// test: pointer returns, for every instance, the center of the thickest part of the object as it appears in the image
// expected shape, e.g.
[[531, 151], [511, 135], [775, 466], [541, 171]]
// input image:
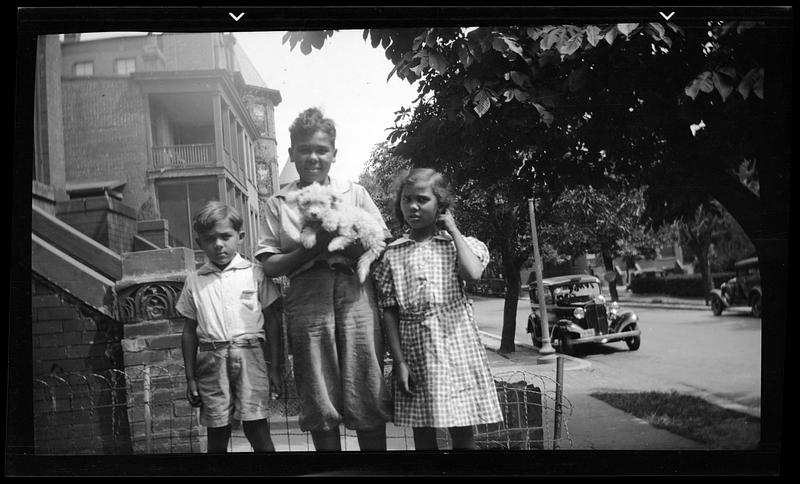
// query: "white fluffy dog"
[[323, 208]]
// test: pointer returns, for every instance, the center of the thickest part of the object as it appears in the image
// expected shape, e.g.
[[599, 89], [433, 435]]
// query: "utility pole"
[[547, 351]]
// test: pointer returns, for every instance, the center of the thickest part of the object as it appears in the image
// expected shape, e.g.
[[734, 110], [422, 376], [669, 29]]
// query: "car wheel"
[[755, 305], [716, 306], [565, 344], [633, 342]]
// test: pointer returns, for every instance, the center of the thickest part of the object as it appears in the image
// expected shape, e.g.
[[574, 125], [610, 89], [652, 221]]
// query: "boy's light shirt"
[[227, 303], [283, 222]]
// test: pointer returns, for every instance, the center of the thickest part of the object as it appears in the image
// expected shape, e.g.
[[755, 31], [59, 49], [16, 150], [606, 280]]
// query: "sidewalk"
[[592, 424], [589, 423]]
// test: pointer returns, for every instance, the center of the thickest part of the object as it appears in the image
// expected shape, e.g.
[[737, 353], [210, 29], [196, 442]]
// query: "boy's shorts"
[[233, 383]]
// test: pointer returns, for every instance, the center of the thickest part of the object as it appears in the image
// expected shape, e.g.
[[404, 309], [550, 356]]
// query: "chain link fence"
[[145, 411]]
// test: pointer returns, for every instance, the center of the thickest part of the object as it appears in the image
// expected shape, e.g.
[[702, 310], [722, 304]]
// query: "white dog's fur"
[[322, 208]]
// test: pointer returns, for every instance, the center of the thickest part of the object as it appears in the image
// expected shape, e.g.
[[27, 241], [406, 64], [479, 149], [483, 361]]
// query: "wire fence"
[[145, 411]]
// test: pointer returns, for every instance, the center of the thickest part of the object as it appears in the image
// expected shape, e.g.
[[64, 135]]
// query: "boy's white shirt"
[[227, 304]]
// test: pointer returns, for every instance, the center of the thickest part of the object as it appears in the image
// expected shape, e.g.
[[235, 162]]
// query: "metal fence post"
[[559, 391], [147, 416]]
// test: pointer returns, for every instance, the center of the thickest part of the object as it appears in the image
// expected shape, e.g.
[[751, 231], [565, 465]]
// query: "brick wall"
[[104, 219], [105, 134], [78, 402], [69, 338]]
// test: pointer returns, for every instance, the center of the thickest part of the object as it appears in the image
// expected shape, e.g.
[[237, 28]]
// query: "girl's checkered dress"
[[438, 335]]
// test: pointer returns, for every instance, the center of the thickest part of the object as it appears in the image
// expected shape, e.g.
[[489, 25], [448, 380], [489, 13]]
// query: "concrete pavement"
[[588, 423]]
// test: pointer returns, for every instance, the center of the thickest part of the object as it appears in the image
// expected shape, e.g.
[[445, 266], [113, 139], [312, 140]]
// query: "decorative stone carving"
[[149, 301]]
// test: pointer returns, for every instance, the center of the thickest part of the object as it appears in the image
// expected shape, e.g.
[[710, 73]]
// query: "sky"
[[346, 79]]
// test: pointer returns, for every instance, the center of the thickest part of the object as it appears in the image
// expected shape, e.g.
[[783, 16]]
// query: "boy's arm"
[[189, 347], [399, 366], [277, 265]]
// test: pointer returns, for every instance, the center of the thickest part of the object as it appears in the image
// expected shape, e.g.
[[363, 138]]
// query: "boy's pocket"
[[249, 300]]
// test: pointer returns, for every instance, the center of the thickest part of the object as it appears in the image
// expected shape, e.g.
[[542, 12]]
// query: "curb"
[[581, 364], [632, 304]]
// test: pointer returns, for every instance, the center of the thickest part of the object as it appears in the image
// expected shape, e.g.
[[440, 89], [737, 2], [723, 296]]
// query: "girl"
[[442, 377]]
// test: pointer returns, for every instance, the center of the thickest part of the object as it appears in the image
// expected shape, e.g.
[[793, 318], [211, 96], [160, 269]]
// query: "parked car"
[[743, 289], [578, 313], [487, 287]]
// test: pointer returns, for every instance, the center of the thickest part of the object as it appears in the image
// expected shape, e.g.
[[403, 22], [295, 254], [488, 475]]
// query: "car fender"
[[719, 295], [565, 325], [625, 320], [756, 290]]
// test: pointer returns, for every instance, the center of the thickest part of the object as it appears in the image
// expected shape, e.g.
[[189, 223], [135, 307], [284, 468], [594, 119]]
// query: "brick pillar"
[[155, 231], [106, 220], [160, 417]]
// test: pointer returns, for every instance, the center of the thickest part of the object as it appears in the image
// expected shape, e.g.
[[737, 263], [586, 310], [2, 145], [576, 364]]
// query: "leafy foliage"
[[507, 112]]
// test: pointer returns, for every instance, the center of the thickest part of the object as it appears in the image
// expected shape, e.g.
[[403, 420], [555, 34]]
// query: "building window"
[[123, 67], [178, 203], [83, 68]]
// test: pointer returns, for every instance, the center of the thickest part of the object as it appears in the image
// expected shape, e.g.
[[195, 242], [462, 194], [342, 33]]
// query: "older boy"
[[334, 325], [223, 302]]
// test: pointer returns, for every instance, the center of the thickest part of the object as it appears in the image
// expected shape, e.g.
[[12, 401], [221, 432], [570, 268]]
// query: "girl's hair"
[[309, 122], [213, 212], [439, 186]]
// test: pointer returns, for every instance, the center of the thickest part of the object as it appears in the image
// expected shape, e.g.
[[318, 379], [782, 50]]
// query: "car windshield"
[[573, 293]]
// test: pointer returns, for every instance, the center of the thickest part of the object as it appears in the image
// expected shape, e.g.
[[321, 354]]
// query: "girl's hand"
[[447, 220], [405, 378]]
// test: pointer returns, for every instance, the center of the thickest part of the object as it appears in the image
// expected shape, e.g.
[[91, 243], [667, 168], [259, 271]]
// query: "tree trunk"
[[510, 309], [608, 263], [705, 270]]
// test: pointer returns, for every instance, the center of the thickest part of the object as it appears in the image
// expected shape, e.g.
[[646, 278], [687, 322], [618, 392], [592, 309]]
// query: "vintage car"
[[578, 313], [742, 289]]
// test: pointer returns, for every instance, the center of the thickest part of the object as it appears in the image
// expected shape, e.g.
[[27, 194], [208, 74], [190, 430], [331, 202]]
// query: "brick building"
[[169, 121], [131, 136]]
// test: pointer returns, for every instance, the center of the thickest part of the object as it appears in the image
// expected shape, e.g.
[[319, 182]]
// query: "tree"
[[612, 101], [606, 222]]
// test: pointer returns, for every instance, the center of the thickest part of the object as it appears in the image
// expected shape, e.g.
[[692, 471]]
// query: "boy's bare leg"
[[425, 438], [326, 439], [463, 438], [373, 439], [257, 433], [218, 438]]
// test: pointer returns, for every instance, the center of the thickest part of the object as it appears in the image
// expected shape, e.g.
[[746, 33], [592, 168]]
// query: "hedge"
[[678, 285]]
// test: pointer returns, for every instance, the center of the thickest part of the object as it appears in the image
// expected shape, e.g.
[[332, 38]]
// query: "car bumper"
[[605, 338]]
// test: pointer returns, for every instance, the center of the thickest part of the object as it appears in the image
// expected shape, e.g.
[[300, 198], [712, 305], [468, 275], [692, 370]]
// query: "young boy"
[[223, 302]]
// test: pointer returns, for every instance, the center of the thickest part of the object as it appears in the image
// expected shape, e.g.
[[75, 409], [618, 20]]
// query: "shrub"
[[678, 285]]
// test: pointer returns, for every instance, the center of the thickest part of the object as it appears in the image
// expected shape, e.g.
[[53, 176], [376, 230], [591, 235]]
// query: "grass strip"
[[689, 416]]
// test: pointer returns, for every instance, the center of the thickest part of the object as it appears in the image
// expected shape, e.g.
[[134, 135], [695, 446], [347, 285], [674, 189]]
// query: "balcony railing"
[[184, 156]]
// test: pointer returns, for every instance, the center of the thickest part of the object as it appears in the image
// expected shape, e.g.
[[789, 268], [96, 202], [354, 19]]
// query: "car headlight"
[[578, 313], [601, 299]]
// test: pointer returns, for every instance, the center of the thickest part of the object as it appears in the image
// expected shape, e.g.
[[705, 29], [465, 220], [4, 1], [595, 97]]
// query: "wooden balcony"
[[184, 156]]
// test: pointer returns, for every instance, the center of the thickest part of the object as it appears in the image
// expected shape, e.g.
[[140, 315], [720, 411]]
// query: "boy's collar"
[[442, 235], [238, 262], [341, 186]]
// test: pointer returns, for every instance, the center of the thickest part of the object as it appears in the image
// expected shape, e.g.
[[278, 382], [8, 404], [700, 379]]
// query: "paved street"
[[691, 351]]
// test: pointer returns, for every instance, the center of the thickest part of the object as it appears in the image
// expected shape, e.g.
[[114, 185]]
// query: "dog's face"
[[315, 200]]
